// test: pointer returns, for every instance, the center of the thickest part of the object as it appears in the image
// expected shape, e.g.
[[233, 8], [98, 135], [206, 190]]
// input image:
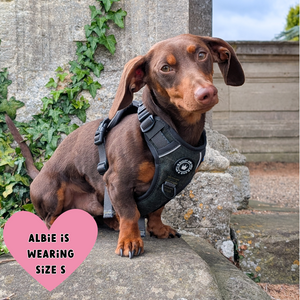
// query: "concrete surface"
[[169, 269]]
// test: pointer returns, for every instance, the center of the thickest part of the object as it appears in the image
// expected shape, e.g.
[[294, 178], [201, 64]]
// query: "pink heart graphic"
[[59, 250]]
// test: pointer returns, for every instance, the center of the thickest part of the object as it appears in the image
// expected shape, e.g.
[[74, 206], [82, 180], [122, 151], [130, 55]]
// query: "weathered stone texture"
[[204, 207], [270, 246], [237, 168]]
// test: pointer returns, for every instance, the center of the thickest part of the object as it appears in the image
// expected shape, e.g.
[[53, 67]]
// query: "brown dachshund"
[[178, 75]]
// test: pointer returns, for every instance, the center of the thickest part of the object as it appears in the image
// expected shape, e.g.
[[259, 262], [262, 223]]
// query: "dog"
[[178, 77]]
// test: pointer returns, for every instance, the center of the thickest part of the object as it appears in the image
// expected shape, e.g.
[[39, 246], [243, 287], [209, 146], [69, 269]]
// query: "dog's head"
[[179, 72]]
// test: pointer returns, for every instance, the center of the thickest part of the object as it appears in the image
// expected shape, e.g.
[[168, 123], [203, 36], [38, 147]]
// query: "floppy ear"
[[132, 80], [225, 56]]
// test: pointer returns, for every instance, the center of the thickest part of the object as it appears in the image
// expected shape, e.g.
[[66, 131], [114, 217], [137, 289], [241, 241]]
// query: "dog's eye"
[[201, 55], [166, 68]]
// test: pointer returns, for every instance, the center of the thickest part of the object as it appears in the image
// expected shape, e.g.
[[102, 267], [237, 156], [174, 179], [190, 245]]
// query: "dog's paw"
[[163, 231], [130, 246]]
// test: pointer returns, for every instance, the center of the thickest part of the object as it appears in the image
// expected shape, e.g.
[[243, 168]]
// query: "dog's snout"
[[206, 93]]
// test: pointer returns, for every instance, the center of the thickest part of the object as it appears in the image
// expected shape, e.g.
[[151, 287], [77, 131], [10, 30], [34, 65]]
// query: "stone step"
[[264, 206], [269, 245], [169, 269]]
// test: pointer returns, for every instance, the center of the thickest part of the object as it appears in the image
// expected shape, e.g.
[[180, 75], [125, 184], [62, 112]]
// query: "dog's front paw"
[[130, 246]]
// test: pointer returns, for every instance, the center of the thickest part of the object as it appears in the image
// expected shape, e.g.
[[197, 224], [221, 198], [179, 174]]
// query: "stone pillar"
[[200, 23]]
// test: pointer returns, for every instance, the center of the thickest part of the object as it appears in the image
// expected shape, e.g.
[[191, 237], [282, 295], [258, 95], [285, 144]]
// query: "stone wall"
[[261, 118]]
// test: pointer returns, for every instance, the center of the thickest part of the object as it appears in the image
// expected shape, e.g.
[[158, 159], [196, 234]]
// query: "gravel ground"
[[276, 183], [281, 291]]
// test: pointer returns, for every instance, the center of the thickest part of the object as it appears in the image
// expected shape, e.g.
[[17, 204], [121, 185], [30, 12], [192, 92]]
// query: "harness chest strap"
[[175, 161]]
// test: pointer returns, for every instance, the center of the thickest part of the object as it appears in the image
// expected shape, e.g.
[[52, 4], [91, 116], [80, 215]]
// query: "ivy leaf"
[[81, 73], [93, 88], [56, 94], [117, 17], [19, 162], [97, 68], [80, 48], [8, 189], [88, 30], [81, 114], [74, 64], [29, 207], [59, 69], [95, 11], [101, 21], [51, 83], [3, 88], [93, 41], [62, 76], [109, 42], [89, 53], [55, 114], [80, 57], [46, 102], [108, 3], [10, 107], [23, 179], [67, 129], [100, 31], [72, 92], [89, 80]]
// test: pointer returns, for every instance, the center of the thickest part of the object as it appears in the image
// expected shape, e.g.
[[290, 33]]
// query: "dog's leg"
[[130, 242], [156, 227]]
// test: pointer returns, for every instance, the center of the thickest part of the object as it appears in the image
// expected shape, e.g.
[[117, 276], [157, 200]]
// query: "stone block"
[[241, 186], [203, 208]]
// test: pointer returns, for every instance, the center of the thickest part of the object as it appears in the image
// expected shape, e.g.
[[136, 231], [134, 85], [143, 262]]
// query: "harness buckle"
[[101, 131], [147, 124], [102, 167], [169, 190]]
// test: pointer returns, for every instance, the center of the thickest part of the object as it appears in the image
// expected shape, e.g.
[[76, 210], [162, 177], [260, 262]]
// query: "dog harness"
[[175, 160]]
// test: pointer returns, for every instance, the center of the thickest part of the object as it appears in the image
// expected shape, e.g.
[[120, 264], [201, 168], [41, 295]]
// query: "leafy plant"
[[43, 132], [253, 276], [291, 32]]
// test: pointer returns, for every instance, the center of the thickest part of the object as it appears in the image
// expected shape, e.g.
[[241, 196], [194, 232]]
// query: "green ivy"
[[43, 132]]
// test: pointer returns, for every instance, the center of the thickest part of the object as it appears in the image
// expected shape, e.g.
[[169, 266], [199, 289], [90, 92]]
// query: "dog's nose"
[[206, 93]]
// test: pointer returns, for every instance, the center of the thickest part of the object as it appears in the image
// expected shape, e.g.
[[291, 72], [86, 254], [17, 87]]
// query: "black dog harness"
[[175, 160]]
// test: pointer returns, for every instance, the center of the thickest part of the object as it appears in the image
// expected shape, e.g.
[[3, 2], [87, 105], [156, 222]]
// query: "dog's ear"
[[132, 80], [225, 56]]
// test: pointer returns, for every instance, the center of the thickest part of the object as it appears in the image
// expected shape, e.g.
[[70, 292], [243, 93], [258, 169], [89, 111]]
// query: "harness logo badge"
[[184, 166]]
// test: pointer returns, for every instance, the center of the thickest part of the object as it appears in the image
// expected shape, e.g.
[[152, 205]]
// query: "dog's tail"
[[30, 167]]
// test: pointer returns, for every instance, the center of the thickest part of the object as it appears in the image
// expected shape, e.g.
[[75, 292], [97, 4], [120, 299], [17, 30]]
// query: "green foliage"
[[43, 132], [253, 276], [292, 18], [291, 32]]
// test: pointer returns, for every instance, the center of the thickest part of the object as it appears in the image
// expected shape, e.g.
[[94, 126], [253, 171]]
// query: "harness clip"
[[169, 190], [101, 131], [147, 124]]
